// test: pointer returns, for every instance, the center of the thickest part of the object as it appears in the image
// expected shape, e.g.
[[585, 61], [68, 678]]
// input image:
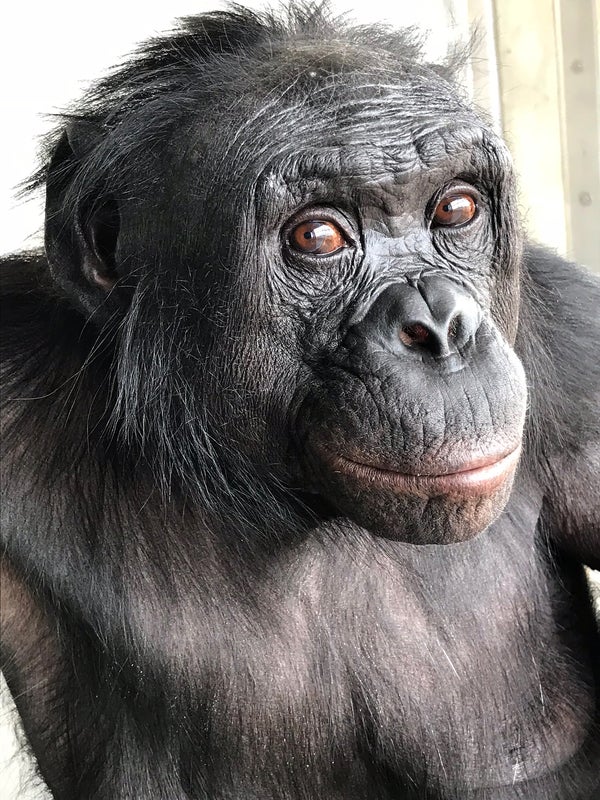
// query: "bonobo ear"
[[82, 221]]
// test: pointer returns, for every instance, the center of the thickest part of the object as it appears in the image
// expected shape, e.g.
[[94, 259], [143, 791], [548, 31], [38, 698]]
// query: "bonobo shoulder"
[[559, 343], [22, 277], [24, 284], [559, 340], [20, 273], [564, 282], [42, 337]]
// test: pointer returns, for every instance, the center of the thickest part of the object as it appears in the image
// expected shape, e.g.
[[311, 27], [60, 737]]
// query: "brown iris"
[[317, 237], [455, 208]]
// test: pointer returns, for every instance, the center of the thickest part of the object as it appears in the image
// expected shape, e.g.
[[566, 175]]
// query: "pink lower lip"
[[478, 477]]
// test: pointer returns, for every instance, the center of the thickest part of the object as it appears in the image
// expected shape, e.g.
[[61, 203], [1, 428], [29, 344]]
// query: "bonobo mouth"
[[480, 476]]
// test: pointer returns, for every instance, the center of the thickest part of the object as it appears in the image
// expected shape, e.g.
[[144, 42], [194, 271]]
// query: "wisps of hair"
[[170, 66]]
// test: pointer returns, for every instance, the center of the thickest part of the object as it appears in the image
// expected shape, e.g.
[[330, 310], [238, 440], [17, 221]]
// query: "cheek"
[[255, 400], [406, 416]]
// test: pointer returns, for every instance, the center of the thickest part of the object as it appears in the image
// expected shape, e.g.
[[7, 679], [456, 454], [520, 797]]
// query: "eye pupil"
[[317, 237]]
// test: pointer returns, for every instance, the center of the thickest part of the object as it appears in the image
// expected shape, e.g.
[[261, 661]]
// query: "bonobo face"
[[319, 282], [398, 260], [372, 298]]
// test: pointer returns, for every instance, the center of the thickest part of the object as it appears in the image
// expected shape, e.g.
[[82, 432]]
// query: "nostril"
[[414, 334]]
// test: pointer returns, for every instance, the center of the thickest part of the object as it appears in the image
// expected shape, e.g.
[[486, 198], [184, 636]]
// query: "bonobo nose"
[[433, 316]]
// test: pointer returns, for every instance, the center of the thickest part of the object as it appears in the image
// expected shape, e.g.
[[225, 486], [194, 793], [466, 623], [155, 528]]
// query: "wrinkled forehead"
[[311, 127], [356, 127]]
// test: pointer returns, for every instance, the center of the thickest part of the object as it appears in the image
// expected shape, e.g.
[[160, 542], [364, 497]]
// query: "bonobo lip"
[[479, 476]]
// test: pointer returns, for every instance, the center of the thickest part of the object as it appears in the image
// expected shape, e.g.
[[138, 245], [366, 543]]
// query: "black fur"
[[200, 598]]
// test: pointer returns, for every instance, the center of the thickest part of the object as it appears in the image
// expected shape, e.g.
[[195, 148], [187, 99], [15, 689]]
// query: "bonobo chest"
[[371, 669]]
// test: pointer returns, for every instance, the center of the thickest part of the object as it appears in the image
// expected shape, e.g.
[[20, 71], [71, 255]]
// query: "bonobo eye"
[[318, 237], [454, 209]]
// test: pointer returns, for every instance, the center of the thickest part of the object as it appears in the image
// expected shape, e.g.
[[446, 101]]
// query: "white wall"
[[549, 74]]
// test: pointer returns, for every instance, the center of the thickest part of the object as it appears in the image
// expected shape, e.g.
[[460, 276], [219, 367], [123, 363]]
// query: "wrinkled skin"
[[302, 447], [368, 396], [360, 392]]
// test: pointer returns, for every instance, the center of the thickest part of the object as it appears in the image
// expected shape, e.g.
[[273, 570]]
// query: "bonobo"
[[302, 443]]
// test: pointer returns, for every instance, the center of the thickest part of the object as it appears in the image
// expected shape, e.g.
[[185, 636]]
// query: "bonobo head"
[[304, 243]]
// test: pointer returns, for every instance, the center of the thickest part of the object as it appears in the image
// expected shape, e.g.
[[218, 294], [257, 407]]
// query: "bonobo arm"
[[559, 343]]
